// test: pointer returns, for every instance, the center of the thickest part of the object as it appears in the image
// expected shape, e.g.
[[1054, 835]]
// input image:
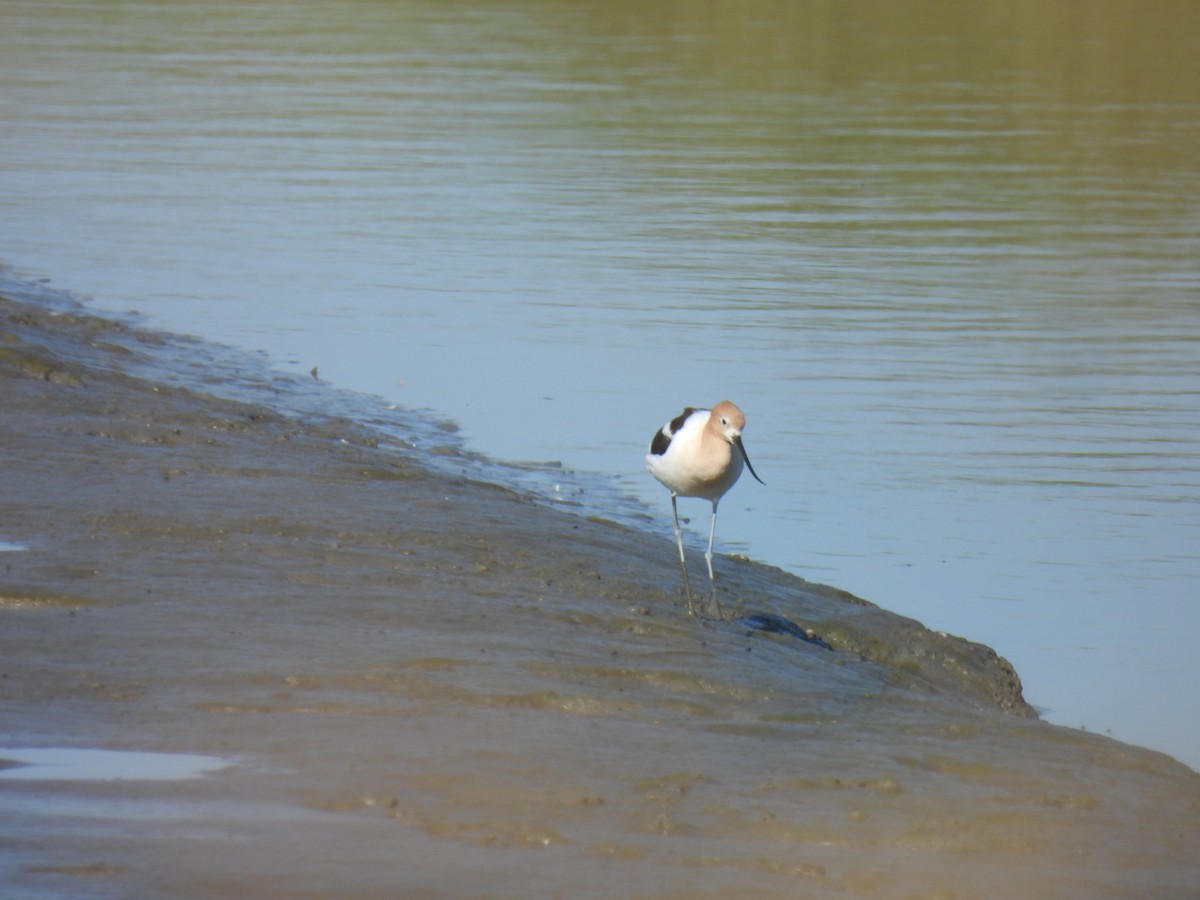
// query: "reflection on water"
[[943, 255], [88, 764]]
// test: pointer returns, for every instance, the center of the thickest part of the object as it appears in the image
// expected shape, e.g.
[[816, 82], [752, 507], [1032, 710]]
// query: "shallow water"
[[945, 259], [432, 686], [43, 764]]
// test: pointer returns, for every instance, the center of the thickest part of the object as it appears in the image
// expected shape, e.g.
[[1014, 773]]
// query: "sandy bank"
[[427, 686]]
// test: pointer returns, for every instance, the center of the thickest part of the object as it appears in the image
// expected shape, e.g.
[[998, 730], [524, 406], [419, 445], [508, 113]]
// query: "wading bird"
[[699, 453]]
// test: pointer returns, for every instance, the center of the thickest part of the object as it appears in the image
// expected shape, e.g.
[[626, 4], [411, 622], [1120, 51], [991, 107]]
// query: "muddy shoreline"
[[431, 686]]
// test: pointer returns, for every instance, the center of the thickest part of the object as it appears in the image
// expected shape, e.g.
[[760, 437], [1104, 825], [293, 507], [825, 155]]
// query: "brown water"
[[945, 255]]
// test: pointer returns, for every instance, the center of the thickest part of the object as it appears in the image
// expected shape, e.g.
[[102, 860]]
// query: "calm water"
[[945, 256]]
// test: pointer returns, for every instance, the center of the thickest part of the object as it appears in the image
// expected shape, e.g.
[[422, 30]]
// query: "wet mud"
[[426, 685]]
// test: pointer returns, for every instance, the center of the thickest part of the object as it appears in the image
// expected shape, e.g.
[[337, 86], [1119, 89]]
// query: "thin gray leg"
[[712, 582], [687, 587], [711, 531]]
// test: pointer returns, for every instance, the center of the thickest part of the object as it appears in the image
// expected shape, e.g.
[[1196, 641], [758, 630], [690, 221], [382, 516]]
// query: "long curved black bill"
[[738, 441]]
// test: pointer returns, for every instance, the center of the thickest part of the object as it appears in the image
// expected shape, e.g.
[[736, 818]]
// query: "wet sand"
[[430, 686]]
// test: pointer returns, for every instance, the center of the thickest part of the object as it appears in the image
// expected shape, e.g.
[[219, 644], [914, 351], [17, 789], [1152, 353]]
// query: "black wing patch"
[[677, 422], [661, 442], [662, 437]]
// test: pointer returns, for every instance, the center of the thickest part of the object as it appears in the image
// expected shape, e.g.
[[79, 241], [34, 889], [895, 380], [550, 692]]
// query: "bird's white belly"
[[709, 477]]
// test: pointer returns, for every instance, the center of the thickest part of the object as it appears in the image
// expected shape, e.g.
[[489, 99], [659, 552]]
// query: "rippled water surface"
[[946, 257]]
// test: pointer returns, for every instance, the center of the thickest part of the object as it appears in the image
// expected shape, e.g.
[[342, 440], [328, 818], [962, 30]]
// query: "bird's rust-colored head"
[[729, 421]]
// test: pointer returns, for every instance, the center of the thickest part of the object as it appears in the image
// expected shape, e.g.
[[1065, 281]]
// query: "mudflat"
[[410, 684]]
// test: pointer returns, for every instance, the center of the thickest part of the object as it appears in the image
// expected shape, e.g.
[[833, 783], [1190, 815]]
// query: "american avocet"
[[693, 456]]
